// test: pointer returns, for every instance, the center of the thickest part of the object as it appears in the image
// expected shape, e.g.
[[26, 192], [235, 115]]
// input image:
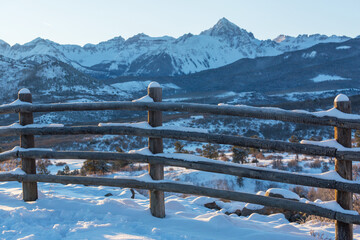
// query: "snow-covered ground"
[[78, 212]]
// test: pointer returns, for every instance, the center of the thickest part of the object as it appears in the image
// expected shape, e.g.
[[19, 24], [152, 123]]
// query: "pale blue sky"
[[92, 21]]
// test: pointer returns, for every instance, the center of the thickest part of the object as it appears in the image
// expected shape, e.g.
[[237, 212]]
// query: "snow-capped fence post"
[[156, 171], [28, 165], [343, 231]]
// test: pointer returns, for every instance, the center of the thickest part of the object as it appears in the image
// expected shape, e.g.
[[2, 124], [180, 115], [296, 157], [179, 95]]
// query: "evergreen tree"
[[325, 167], [210, 151], [89, 166], [42, 168], [239, 154], [179, 148], [66, 170], [294, 139], [96, 166]]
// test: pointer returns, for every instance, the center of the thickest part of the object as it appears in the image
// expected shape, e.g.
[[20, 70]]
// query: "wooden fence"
[[344, 188]]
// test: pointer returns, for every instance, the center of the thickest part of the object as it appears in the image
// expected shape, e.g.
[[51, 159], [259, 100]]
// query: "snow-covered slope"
[[220, 45], [76, 212]]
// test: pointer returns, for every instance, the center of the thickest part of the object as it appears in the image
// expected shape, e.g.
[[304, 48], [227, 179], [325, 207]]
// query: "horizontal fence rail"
[[308, 149], [189, 189], [240, 111], [208, 166]]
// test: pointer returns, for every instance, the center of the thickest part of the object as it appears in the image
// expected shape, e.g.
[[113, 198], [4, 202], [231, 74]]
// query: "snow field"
[[77, 212]]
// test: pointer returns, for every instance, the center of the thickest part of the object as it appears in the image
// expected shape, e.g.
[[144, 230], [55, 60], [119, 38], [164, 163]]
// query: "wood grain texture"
[[190, 136], [248, 112], [343, 230], [28, 165], [156, 171]]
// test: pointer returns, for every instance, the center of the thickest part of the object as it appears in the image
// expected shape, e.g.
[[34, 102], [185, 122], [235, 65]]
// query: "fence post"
[[343, 231], [156, 171], [28, 165]]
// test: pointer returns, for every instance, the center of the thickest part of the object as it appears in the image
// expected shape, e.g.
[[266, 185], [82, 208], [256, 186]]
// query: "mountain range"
[[224, 62], [142, 55]]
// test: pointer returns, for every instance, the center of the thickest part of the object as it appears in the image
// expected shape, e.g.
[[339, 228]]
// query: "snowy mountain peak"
[[141, 54], [280, 38], [38, 41], [225, 28]]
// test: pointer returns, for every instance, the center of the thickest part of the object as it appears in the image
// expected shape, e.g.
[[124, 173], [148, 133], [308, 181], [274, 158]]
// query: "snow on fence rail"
[[310, 149], [339, 117], [327, 118]]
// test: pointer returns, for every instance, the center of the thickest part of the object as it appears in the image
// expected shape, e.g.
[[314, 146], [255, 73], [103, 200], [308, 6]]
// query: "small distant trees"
[[42, 166], [95, 167], [294, 139], [210, 151], [315, 164], [325, 167], [278, 164], [66, 171], [179, 147], [239, 154]]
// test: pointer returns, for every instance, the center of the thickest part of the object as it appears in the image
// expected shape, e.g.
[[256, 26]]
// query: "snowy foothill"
[[344, 47], [311, 54], [326, 77]]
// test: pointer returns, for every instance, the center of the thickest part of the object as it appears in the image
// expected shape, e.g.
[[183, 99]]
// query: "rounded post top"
[[341, 98], [154, 85], [24, 91]]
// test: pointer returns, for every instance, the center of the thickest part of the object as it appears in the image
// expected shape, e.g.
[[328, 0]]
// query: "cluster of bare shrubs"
[[314, 164], [278, 164], [9, 165], [294, 166]]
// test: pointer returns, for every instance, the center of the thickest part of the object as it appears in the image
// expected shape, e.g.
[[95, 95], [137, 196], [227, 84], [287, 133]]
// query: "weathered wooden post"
[[28, 165], [343, 231], [156, 171]]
